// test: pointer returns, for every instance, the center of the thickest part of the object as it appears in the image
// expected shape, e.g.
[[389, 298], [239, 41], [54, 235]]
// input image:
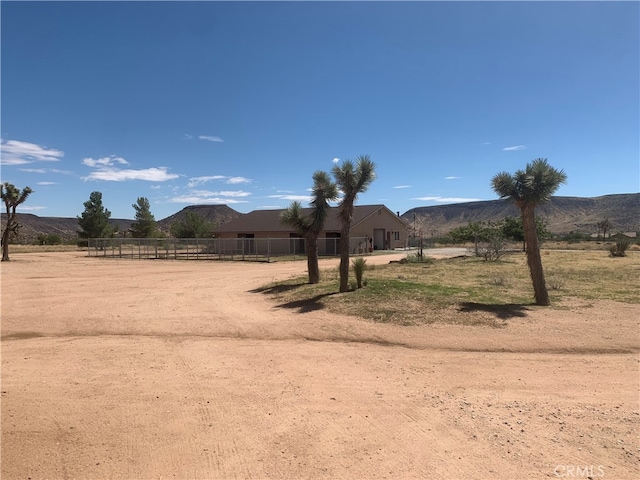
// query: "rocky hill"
[[563, 214], [217, 214]]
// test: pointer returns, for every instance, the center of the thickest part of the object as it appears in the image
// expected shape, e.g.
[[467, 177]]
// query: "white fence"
[[253, 249]]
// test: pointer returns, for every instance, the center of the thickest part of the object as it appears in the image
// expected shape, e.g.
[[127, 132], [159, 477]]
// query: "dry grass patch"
[[466, 291]]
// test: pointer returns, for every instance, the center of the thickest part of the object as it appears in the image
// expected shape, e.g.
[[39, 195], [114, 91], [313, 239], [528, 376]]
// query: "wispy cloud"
[[31, 208], [402, 186], [195, 181], [336, 160], [158, 174], [210, 138], [452, 178], [224, 193], [268, 207], [236, 180], [104, 161], [47, 183], [196, 200], [15, 152], [439, 199], [514, 148], [293, 198]]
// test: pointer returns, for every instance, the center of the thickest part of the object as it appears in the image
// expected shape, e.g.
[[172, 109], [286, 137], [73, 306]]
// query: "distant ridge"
[[563, 214], [33, 225]]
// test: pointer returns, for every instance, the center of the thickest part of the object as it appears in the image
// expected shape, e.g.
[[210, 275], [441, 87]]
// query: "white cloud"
[[439, 199], [15, 152], [293, 198], [335, 160], [224, 193], [236, 180], [514, 148], [31, 208], [195, 181], [402, 186], [198, 180], [159, 174], [268, 207], [195, 199], [210, 138], [47, 183], [155, 187], [451, 178], [45, 170], [104, 161], [188, 137]]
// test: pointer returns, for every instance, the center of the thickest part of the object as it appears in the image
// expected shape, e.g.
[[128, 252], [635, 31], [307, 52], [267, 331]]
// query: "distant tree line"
[[94, 222]]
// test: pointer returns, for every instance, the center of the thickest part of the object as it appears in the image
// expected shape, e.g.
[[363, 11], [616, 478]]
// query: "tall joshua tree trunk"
[[312, 257], [534, 259], [344, 253]]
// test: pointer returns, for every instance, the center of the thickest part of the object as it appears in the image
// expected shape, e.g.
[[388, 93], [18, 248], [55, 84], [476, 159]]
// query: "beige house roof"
[[269, 220]]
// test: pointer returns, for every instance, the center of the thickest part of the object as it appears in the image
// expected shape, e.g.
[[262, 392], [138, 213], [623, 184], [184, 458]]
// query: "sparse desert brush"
[[619, 249], [409, 293]]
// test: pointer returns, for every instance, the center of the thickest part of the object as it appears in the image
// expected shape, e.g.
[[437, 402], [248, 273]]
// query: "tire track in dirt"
[[296, 395]]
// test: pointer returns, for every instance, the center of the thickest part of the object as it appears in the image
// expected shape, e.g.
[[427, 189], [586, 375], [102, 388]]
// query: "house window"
[[396, 235]]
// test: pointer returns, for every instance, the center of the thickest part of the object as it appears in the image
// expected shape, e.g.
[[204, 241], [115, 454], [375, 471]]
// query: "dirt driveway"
[[172, 369]]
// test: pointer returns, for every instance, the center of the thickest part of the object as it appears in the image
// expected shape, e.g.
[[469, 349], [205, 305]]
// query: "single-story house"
[[373, 227]]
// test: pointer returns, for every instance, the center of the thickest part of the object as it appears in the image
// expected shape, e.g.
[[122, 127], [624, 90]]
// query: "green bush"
[[48, 239]]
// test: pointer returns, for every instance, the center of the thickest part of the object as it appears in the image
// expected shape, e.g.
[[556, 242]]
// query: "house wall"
[[395, 236], [280, 243], [384, 220]]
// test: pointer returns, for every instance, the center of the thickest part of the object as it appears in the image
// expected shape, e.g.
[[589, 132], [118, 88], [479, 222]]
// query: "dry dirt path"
[[172, 369]]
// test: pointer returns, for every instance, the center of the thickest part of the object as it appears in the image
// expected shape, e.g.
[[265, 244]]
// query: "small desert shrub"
[[493, 249], [555, 283], [499, 281], [359, 266], [620, 248], [416, 258]]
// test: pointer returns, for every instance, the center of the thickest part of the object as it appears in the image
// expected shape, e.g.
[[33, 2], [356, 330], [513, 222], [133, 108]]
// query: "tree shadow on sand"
[[307, 304], [501, 311], [276, 289]]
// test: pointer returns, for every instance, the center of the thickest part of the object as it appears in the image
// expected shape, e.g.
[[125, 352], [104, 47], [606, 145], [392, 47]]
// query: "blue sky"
[[239, 103]]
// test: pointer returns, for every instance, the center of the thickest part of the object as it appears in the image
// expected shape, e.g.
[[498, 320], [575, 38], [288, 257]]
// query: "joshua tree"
[[528, 188], [351, 179], [605, 226], [324, 191], [12, 197]]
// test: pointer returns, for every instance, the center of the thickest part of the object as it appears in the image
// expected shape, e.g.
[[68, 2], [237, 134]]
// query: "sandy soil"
[[172, 369]]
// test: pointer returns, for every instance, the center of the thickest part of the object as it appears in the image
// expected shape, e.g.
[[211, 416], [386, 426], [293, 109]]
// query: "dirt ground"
[[150, 369]]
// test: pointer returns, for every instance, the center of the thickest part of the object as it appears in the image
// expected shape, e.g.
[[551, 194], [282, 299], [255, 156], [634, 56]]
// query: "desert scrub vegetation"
[[446, 291]]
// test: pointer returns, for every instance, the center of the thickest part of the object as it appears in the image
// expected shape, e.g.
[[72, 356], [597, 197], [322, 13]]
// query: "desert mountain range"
[[563, 215]]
